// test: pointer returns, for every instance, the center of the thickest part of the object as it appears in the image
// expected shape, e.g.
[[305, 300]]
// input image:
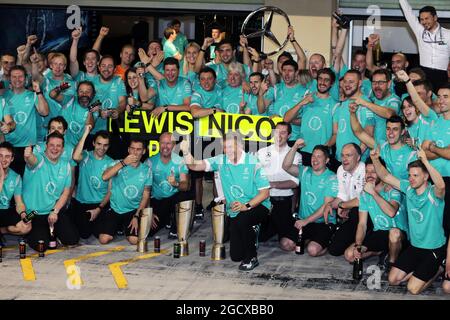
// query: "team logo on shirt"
[[315, 123], [20, 117], [418, 216], [165, 186], [310, 198], [233, 108], [131, 192], [4, 200], [236, 191], [382, 221], [50, 188], [107, 103], [284, 109], [74, 127], [95, 182]]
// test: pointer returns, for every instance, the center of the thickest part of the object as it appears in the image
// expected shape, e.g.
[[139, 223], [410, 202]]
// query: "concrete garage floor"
[[280, 275]]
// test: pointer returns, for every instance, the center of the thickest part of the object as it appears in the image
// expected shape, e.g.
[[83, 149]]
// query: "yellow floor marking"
[[27, 264], [117, 273], [73, 272]]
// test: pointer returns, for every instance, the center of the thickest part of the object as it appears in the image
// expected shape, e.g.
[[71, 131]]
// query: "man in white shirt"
[[280, 220], [351, 178], [433, 42]]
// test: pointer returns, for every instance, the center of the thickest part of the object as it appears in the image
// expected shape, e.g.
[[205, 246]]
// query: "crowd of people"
[[360, 163]]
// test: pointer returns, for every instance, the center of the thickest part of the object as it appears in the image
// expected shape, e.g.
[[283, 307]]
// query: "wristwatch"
[[248, 206], [340, 205]]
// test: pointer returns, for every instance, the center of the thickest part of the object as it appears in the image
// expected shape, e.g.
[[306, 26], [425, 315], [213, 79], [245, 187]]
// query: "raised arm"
[[416, 99], [42, 106], [98, 42], [413, 22], [381, 171], [195, 165], [301, 57], [435, 176], [337, 63], [73, 56], [201, 55], [358, 130], [77, 154], [292, 114], [288, 162], [373, 41], [389, 208]]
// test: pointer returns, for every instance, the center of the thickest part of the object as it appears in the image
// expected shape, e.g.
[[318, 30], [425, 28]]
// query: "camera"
[[343, 21]]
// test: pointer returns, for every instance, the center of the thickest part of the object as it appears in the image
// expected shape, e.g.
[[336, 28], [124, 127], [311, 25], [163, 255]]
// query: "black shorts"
[[8, 217], [423, 262], [110, 221], [317, 232], [376, 241]]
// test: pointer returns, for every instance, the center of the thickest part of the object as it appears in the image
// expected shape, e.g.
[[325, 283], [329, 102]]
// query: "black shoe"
[[250, 265], [211, 205], [199, 212], [172, 235]]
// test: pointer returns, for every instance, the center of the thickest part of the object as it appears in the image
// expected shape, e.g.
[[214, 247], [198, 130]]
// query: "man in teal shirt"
[[319, 187], [25, 107], [341, 118], [131, 181], [11, 186], [169, 48], [382, 205], [92, 195], [173, 93], [383, 103], [180, 41], [317, 115], [246, 190], [285, 95], [77, 113], [437, 146], [46, 189], [394, 151], [419, 264], [170, 183]]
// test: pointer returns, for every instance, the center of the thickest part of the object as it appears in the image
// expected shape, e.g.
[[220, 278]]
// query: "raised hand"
[[369, 187], [373, 39], [143, 56], [207, 42], [28, 152], [76, 33], [402, 75], [375, 153], [104, 31], [32, 39], [291, 34], [299, 143]]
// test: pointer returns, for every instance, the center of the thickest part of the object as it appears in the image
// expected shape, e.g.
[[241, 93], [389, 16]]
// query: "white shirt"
[[351, 185], [271, 160], [434, 47]]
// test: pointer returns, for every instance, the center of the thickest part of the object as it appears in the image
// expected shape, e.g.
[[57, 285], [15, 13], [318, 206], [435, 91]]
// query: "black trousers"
[[436, 77], [346, 232], [242, 234], [81, 218], [18, 165], [280, 219], [65, 231], [165, 210], [447, 207]]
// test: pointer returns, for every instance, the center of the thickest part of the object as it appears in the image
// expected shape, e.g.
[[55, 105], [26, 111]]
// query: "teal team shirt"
[[419, 130], [91, 188], [315, 188], [169, 50], [232, 98], [12, 186], [222, 73], [76, 117], [440, 134], [252, 104], [391, 102], [284, 98], [22, 108], [425, 216], [161, 188], [44, 184], [397, 160], [240, 182], [109, 95], [345, 133], [381, 221], [128, 186], [317, 122], [54, 107], [83, 76], [207, 99], [179, 43], [167, 95]]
